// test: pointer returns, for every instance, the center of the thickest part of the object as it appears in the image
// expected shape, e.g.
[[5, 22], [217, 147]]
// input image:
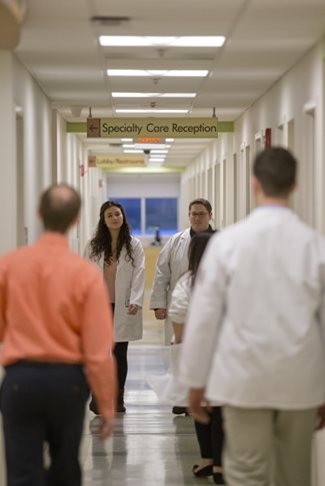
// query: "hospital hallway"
[[151, 446]]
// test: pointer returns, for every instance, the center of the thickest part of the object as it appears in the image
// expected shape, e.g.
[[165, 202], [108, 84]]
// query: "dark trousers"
[[120, 353], [210, 437], [43, 402]]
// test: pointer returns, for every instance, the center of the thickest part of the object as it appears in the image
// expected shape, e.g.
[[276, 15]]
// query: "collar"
[[209, 230], [53, 238]]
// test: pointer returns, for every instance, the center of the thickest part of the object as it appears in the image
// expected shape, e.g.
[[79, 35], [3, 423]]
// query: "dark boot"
[[93, 406], [120, 407]]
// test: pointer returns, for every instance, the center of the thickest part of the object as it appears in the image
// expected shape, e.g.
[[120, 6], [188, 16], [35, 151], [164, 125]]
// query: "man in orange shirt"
[[55, 322]]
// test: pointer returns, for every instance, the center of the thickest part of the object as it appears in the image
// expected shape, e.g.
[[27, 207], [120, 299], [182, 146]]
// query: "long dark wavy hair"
[[195, 252], [101, 243]]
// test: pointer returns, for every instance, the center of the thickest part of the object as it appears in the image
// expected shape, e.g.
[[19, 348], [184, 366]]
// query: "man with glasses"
[[173, 263]]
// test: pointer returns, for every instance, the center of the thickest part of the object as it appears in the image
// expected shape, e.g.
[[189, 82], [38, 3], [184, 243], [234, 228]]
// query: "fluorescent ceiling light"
[[156, 160], [126, 139], [151, 146], [161, 73], [151, 110], [159, 152], [169, 140], [133, 151], [117, 94], [200, 41], [146, 146], [167, 41]]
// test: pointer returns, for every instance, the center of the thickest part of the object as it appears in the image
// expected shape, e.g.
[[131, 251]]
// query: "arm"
[[205, 317], [97, 343], [178, 329], [2, 301], [179, 305], [138, 278]]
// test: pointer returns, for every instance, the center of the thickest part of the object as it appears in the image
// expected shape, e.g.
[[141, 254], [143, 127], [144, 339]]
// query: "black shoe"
[[179, 410], [120, 408], [202, 472], [218, 478], [93, 407]]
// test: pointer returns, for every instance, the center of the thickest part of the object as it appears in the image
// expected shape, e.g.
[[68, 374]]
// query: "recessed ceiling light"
[[151, 110], [195, 73], [167, 41], [117, 94]]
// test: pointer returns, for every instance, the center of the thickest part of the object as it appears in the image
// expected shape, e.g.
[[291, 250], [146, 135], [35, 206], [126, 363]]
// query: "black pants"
[[210, 437], [43, 402], [120, 353]]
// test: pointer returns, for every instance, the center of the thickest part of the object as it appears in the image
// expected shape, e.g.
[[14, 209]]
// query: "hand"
[[160, 314], [321, 417], [198, 405], [133, 309], [106, 428]]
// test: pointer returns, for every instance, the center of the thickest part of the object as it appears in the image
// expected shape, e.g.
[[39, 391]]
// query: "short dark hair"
[[59, 206], [202, 201], [196, 249], [275, 168]]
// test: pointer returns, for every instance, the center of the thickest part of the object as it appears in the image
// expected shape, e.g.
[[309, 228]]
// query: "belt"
[[42, 364]]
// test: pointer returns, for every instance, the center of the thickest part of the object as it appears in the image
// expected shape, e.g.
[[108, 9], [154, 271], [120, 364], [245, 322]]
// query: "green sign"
[[152, 127]]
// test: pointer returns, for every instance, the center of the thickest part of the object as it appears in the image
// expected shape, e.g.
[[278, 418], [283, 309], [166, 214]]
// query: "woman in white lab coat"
[[120, 257]]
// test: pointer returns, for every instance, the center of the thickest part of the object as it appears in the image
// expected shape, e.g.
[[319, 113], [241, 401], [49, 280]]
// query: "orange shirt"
[[53, 307]]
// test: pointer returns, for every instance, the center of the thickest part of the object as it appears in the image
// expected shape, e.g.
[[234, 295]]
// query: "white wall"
[[296, 100], [37, 134], [8, 186], [298, 95]]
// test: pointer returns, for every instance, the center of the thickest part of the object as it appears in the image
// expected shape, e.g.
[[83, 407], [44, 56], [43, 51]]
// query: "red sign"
[[82, 170], [267, 137], [149, 140]]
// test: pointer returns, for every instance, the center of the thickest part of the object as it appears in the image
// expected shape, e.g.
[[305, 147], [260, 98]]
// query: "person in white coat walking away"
[[255, 336], [120, 257]]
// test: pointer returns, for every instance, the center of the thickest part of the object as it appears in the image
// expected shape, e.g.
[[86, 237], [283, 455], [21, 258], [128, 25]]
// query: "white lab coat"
[[180, 299], [255, 330], [167, 387], [171, 265], [129, 289]]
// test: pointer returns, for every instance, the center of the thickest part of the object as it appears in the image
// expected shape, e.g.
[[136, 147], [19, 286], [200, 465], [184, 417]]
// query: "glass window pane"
[[161, 212], [132, 208]]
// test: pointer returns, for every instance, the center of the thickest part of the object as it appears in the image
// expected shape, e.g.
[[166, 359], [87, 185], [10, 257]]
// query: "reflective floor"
[[151, 446]]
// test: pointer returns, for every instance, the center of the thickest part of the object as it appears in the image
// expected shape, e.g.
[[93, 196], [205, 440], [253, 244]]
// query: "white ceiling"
[[59, 46]]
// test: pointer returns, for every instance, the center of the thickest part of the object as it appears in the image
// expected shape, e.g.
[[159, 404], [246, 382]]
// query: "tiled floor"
[[150, 445]]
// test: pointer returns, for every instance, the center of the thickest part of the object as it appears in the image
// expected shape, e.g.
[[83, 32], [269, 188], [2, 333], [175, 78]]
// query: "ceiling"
[[59, 46]]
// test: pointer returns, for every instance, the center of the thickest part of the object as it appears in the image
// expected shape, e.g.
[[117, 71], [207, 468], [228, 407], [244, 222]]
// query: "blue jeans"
[[43, 402]]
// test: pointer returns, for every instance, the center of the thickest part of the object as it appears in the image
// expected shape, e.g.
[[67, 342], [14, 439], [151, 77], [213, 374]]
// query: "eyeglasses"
[[199, 215]]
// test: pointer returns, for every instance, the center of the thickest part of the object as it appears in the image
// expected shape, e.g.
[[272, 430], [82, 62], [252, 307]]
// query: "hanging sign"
[[152, 127], [108, 161]]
